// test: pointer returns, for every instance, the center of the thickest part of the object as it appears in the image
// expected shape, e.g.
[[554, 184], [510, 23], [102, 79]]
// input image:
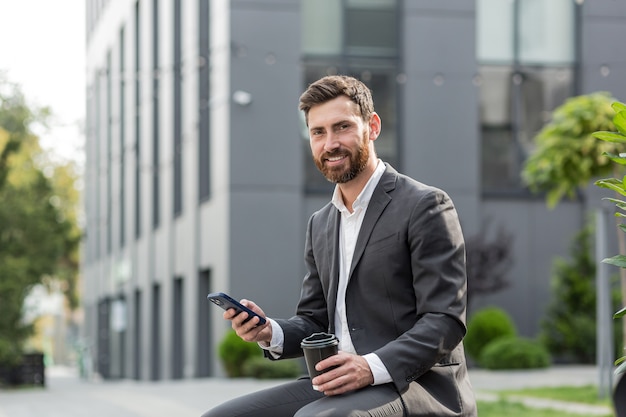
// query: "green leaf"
[[609, 137], [615, 200], [618, 106], [618, 159], [620, 122], [620, 313], [617, 260], [619, 203], [612, 184], [623, 227]]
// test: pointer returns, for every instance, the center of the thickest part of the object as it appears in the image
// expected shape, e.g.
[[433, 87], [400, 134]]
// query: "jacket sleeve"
[[437, 252]]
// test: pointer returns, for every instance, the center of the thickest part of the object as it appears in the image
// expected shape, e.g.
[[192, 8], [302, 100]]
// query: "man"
[[385, 264]]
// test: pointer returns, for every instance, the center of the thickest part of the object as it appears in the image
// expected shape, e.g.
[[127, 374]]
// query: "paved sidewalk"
[[66, 395], [577, 375], [486, 383]]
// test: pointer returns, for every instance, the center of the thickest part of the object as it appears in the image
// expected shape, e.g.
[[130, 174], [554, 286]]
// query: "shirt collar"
[[364, 197]]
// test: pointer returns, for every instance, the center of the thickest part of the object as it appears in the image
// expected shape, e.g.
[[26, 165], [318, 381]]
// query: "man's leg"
[[378, 400], [279, 401]]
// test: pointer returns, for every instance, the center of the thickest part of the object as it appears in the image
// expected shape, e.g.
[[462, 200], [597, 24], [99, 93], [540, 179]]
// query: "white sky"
[[42, 48]]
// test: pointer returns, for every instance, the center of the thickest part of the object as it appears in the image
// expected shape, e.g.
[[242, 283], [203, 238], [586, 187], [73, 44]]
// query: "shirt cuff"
[[275, 347], [379, 370]]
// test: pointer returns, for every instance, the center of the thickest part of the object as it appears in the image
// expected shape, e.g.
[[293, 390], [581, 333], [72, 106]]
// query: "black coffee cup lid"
[[319, 340]]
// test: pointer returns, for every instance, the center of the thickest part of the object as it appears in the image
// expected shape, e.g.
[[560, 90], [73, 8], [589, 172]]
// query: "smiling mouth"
[[335, 158]]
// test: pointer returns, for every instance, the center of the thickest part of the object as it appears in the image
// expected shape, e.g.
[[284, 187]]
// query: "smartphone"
[[225, 301]]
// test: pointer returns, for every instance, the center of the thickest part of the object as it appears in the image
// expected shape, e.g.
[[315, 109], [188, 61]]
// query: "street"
[[66, 395]]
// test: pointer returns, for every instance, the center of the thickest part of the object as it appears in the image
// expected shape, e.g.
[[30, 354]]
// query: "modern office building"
[[199, 177]]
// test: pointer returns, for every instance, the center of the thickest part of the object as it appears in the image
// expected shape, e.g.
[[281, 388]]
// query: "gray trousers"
[[298, 399]]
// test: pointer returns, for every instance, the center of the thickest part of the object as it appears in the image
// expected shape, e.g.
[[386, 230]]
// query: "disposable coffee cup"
[[317, 347]]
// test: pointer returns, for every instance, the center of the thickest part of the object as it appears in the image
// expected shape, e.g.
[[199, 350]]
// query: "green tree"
[[39, 235], [568, 156], [569, 325]]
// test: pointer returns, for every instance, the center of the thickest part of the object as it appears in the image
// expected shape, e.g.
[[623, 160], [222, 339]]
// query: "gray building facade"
[[198, 175]]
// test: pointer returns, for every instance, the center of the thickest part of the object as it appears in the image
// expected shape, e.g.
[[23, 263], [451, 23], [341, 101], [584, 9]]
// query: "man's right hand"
[[250, 331]]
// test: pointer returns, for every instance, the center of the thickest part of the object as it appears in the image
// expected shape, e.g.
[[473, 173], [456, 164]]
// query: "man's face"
[[339, 139]]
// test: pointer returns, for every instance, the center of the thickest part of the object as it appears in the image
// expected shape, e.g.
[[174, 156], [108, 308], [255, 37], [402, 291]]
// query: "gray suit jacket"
[[406, 295]]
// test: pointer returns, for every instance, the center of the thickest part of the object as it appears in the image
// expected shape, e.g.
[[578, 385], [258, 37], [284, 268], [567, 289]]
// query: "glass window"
[[354, 27], [514, 106], [544, 35], [494, 35], [359, 38], [527, 51], [204, 94], [371, 27], [384, 92], [321, 27]]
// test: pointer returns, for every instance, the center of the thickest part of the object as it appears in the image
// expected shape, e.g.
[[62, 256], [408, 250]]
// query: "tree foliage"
[[567, 156], [39, 235]]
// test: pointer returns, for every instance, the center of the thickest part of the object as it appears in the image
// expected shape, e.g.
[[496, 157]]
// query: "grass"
[[586, 394], [509, 407]]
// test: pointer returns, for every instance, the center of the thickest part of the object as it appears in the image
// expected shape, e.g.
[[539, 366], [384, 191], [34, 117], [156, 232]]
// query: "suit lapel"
[[378, 202], [332, 236]]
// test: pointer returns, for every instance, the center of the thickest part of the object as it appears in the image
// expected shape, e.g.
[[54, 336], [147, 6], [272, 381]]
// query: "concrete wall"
[[266, 230]]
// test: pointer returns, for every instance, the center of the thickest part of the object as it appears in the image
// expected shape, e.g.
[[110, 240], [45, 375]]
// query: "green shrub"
[[569, 326], [485, 326], [513, 352], [263, 368], [10, 353], [234, 352]]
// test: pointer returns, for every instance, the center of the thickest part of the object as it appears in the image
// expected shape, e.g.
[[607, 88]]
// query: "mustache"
[[336, 152]]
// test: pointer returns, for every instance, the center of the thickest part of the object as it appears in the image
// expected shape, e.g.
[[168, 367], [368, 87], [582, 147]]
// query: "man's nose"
[[331, 143]]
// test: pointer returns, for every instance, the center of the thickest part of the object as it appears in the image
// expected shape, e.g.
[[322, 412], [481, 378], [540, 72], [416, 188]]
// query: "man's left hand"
[[352, 373]]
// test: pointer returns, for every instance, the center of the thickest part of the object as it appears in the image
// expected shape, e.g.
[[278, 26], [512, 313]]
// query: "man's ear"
[[375, 126]]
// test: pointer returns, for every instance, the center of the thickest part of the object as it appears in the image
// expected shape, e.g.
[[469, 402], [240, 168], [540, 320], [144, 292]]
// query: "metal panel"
[[440, 43], [265, 65]]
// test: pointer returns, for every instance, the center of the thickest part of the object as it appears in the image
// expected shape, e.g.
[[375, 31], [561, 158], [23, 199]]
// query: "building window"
[[137, 110], [525, 49], [514, 106], [155, 340], [109, 153], [122, 138], [359, 38], [137, 328], [204, 171], [530, 32], [178, 326], [156, 142], [178, 125]]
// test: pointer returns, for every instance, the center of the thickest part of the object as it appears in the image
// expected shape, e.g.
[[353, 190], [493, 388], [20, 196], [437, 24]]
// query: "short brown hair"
[[333, 86]]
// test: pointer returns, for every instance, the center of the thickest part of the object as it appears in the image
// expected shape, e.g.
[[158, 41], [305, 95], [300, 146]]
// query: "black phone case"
[[225, 301]]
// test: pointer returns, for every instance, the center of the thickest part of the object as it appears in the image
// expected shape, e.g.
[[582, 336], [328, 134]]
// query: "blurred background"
[[169, 160]]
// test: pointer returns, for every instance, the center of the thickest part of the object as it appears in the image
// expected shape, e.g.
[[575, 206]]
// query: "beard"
[[356, 164]]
